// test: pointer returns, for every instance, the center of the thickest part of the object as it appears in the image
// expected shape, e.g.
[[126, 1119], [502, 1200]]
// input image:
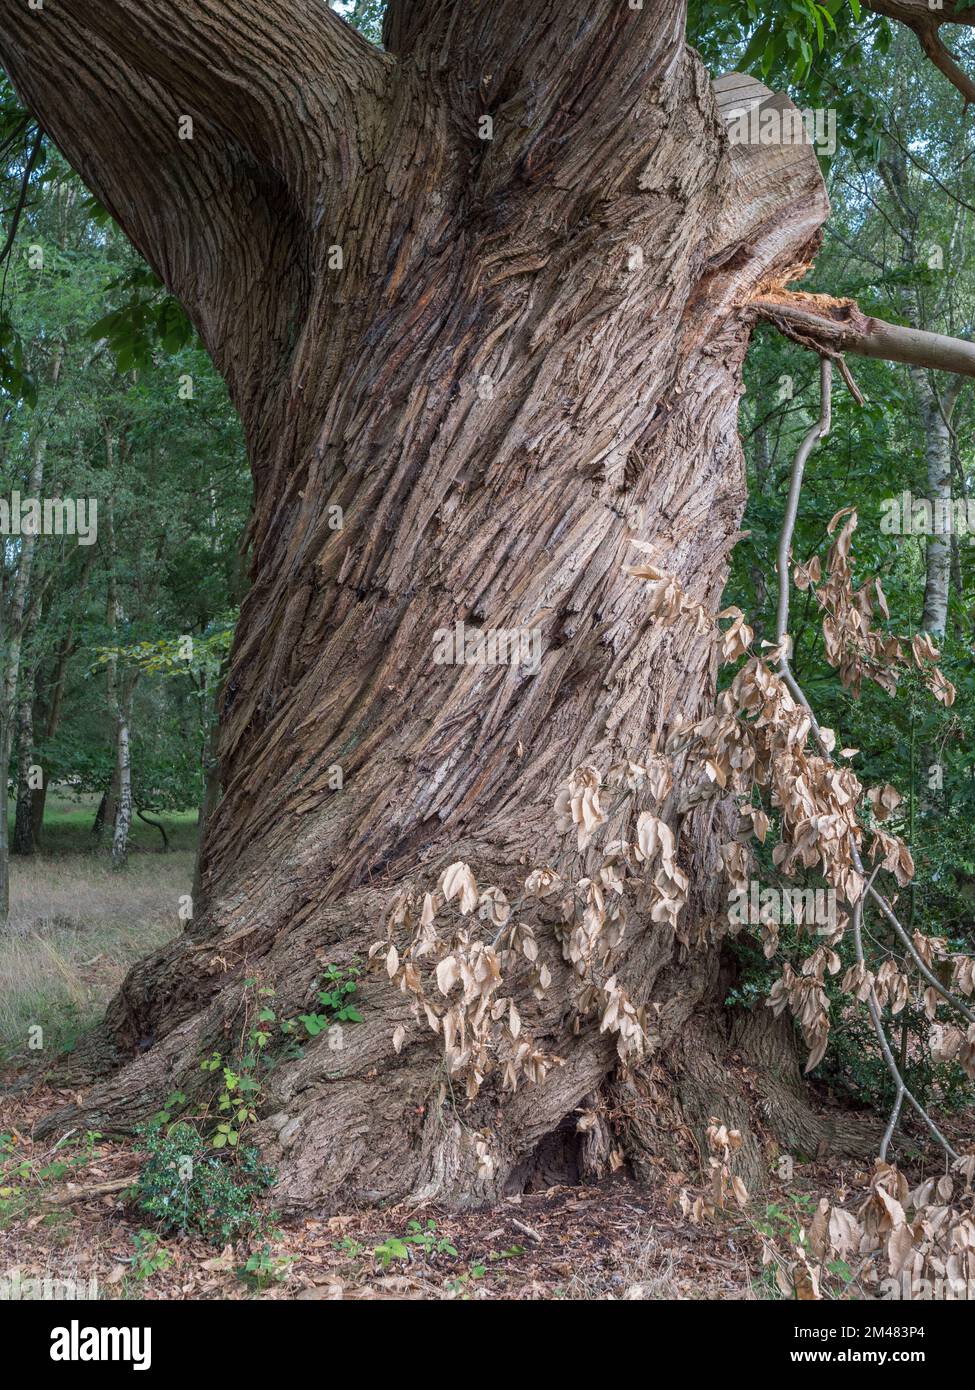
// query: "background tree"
[[136, 421]]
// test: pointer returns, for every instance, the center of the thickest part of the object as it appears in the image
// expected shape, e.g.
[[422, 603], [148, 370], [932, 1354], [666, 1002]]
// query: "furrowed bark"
[[525, 356]]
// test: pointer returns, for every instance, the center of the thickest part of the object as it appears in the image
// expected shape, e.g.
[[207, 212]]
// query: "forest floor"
[[66, 1213], [67, 1209]]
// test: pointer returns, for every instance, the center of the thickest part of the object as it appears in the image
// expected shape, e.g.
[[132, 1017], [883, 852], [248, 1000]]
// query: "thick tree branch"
[[275, 79], [222, 210], [834, 326], [926, 23], [553, 78]]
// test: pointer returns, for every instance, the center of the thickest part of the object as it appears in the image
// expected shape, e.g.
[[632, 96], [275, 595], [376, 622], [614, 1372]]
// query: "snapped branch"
[[834, 326]]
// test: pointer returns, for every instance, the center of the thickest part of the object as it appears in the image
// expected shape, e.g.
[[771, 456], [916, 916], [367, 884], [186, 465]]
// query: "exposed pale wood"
[[837, 325]]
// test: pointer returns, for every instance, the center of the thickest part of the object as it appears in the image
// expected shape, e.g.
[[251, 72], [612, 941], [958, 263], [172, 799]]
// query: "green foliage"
[[189, 1189], [16, 380], [150, 1256], [265, 1040], [364, 15], [262, 1270], [460, 1284], [174, 656], [423, 1237], [813, 50], [24, 1180], [148, 322], [335, 997], [773, 37], [420, 1237], [241, 1089]]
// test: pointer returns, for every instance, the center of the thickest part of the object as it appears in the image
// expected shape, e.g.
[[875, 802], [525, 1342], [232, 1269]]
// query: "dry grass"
[[75, 927]]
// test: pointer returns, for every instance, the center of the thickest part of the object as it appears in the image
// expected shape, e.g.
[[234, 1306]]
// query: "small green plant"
[[460, 1282], [190, 1189], [782, 1225], [338, 985], [22, 1179], [172, 1105], [425, 1238], [262, 1269], [422, 1237], [150, 1256], [391, 1249], [241, 1091]]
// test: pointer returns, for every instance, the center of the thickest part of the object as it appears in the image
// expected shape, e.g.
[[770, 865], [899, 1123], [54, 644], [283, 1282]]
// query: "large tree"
[[481, 298]]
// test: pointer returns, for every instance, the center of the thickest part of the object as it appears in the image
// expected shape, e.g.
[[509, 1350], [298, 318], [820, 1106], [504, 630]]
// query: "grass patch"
[[75, 928]]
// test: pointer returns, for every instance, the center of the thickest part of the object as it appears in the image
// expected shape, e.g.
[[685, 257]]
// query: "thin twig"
[[22, 198]]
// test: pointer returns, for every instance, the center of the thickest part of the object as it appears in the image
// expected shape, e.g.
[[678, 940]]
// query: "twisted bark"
[[472, 372]]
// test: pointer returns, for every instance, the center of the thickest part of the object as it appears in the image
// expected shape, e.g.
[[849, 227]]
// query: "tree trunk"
[[16, 618], [472, 373], [120, 691], [211, 782], [23, 841], [123, 762], [936, 421], [51, 720], [49, 725]]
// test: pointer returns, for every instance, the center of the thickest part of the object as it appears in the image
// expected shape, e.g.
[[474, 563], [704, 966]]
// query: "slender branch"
[[22, 197], [902, 1089], [817, 432], [891, 1124]]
